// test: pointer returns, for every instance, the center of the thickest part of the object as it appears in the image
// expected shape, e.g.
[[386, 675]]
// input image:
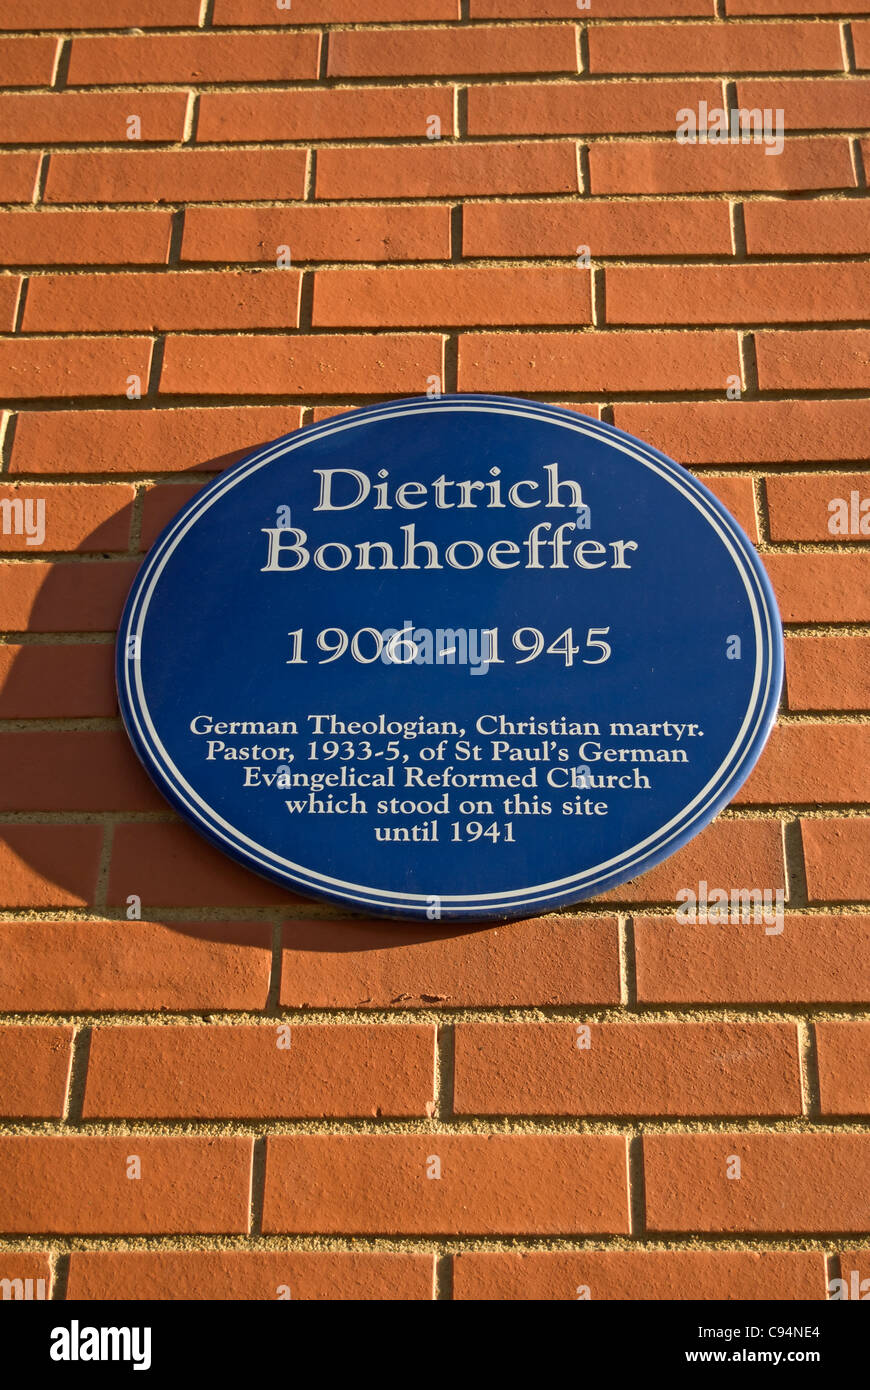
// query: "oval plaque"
[[467, 658]]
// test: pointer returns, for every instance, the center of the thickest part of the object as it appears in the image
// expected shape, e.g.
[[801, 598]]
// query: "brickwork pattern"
[[283, 1075]]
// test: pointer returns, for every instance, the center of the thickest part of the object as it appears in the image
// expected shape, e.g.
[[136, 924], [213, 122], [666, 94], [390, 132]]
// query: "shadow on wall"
[[77, 776]]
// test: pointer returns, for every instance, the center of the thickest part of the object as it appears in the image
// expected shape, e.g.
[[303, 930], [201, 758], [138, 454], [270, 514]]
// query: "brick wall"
[[147, 256]]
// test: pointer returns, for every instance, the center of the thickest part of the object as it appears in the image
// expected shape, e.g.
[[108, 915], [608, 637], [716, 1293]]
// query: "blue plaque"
[[465, 658]]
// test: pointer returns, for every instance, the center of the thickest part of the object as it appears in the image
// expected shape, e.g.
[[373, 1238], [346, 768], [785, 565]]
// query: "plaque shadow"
[[36, 859]]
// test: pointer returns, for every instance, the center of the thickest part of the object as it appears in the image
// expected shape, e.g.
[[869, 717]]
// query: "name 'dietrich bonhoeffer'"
[[344, 489]]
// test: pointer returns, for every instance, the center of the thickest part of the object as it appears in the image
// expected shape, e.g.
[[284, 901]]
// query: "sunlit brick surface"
[[224, 219]]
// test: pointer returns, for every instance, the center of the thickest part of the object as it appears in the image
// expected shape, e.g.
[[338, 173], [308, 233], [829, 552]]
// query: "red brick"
[[65, 118], [99, 14], [240, 1072], [28, 62], [182, 299], [337, 364], [462, 295], [77, 1185], [38, 682], [810, 763], [519, 362], [837, 858], [790, 1182], [82, 771], [604, 9], [815, 959], [662, 166], [431, 52], [39, 237], [828, 673], [826, 588], [334, 11], [173, 866], [826, 104], [789, 7], [34, 1070], [95, 967], [63, 597], [717, 48], [161, 504], [750, 432], [813, 361], [736, 294], [441, 169], [145, 441], [49, 865], [29, 1272], [176, 176], [840, 227], [513, 1184], [374, 965], [328, 412], [18, 173], [44, 367], [78, 516], [197, 58], [340, 113], [711, 855], [609, 229], [235, 1275], [10, 288], [402, 233], [627, 1068], [738, 495], [844, 1067], [637, 1274], [580, 108], [799, 503], [861, 38], [819, 959]]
